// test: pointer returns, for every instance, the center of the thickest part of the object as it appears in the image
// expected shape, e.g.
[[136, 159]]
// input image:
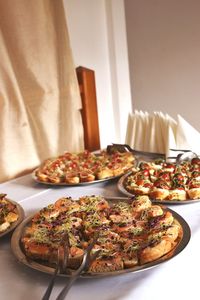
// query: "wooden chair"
[[86, 80]]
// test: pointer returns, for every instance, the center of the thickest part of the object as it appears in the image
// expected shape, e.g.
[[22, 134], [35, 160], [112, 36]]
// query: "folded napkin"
[[136, 129], [147, 132], [187, 137], [159, 132]]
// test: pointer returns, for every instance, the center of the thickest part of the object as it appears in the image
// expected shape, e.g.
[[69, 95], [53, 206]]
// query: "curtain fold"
[[39, 95]]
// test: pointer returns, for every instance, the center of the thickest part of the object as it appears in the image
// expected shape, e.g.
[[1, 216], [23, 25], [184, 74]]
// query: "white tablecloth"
[[177, 278]]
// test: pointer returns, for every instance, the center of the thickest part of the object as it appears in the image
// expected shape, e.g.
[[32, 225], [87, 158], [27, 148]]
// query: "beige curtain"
[[39, 95]]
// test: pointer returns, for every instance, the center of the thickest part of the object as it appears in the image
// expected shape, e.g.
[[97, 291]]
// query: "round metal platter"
[[17, 250], [122, 189], [20, 212]]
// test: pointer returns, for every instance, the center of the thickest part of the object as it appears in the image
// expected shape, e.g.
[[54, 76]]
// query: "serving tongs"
[[185, 155], [126, 148], [62, 262], [88, 258]]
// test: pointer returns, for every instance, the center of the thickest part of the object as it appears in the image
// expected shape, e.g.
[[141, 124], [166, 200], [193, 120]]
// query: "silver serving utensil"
[[61, 264], [87, 260], [187, 155], [180, 150], [127, 148]]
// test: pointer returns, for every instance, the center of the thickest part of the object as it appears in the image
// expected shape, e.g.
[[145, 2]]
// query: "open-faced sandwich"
[[73, 168], [130, 233], [166, 181], [8, 213]]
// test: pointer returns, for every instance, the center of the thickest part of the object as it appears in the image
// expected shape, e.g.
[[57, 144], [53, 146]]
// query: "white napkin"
[[140, 130], [187, 137], [135, 130], [170, 143], [147, 130], [159, 132], [152, 147], [129, 139], [143, 131]]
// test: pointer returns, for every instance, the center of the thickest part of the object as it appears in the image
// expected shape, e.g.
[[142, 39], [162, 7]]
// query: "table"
[[177, 278]]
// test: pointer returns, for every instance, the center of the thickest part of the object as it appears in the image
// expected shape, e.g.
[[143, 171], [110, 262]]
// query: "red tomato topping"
[[119, 160], [165, 176], [145, 172], [194, 184], [161, 184], [73, 165], [195, 161], [140, 182], [169, 166], [147, 184]]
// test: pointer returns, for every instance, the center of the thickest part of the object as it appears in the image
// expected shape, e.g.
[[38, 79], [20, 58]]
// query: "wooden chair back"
[[89, 112]]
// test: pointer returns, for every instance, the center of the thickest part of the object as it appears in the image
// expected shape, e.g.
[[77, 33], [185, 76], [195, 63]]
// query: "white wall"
[[98, 39], [164, 55]]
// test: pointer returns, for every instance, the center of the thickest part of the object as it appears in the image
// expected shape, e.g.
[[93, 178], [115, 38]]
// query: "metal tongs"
[[62, 260], [88, 258], [86, 262], [126, 148], [185, 155]]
